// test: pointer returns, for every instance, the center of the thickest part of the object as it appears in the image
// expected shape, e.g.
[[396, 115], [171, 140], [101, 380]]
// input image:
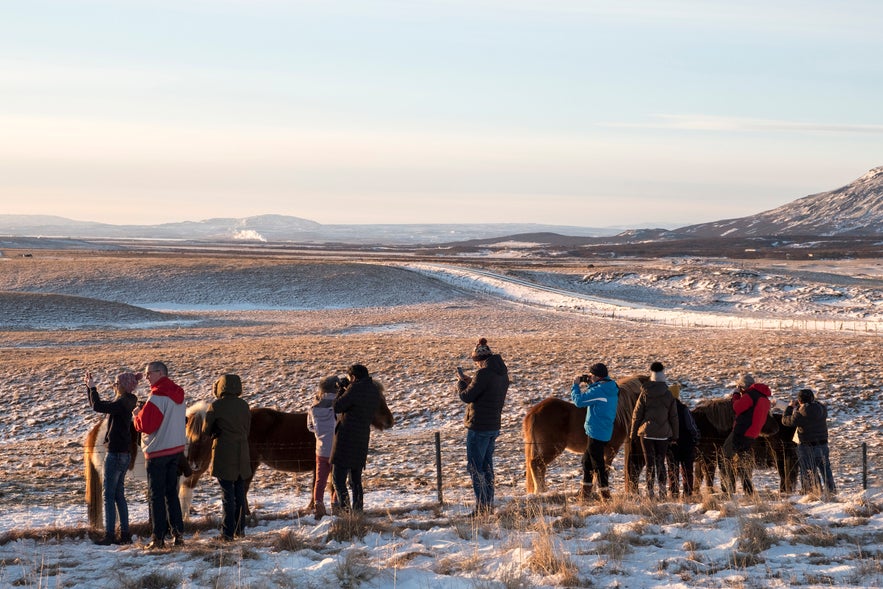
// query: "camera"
[[342, 384], [585, 378]]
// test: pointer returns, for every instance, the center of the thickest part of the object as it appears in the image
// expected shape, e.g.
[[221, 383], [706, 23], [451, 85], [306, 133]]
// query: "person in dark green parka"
[[228, 421]]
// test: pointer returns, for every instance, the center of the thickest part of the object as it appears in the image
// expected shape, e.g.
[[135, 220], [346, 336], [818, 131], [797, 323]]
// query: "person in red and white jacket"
[[162, 421]]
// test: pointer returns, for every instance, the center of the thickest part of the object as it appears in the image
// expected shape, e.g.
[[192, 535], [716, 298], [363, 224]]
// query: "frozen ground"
[[283, 324]]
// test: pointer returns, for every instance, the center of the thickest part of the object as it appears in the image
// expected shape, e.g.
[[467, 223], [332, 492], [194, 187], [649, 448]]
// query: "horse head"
[[383, 418], [199, 442]]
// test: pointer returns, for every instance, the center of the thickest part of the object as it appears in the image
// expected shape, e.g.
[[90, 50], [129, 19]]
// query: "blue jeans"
[[165, 508], [115, 466], [233, 503], [480, 464], [815, 468]]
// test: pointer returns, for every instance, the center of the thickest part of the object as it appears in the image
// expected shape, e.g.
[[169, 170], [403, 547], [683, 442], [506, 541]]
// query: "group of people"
[[161, 423], [341, 416], [667, 433]]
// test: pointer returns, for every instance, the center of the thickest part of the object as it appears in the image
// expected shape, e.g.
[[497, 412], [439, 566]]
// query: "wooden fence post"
[[438, 470]]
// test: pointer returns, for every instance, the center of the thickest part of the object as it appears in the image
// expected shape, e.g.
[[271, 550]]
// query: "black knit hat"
[[598, 370], [805, 396]]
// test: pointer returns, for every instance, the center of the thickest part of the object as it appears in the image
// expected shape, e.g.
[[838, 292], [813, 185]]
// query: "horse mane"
[[719, 413], [196, 420], [629, 391]]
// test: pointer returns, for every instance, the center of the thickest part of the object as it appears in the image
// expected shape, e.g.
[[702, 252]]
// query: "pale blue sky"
[[568, 112]]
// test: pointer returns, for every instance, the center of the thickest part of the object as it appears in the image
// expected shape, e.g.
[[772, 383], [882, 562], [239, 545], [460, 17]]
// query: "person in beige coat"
[[655, 421], [228, 421]]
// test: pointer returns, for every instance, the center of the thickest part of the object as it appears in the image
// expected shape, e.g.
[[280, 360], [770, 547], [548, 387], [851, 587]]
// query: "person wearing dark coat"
[[811, 420], [655, 422], [120, 444], [682, 452], [485, 395], [355, 408], [228, 422]]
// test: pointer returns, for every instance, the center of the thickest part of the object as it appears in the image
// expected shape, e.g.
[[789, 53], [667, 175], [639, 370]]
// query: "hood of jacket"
[[760, 388], [228, 384], [164, 387], [495, 364]]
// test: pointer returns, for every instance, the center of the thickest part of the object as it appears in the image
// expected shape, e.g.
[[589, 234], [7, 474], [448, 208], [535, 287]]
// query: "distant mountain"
[[855, 209], [278, 228]]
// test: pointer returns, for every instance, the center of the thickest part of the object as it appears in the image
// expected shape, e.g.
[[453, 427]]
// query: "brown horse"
[[94, 454], [282, 441], [714, 419], [555, 425]]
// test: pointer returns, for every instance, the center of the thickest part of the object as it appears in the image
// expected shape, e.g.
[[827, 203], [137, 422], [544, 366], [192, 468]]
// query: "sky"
[[569, 112]]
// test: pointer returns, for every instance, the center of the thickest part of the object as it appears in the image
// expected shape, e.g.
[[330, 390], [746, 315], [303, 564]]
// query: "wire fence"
[[49, 482]]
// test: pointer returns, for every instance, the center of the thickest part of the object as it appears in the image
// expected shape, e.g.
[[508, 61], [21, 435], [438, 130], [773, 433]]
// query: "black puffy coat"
[[485, 395], [355, 409]]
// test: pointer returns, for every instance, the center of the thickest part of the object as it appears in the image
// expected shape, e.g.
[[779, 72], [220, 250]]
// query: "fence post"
[[438, 471], [865, 466]]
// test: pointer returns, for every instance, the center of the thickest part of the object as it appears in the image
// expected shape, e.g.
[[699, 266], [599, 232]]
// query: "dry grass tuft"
[[354, 568], [550, 559], [753, 536], [814, 535]]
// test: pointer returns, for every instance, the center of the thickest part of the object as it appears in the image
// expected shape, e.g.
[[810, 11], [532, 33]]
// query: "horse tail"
[[93, 479], [527, 431]]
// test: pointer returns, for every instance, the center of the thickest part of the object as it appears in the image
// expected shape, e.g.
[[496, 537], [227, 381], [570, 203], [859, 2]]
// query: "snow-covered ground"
[[283, 324]]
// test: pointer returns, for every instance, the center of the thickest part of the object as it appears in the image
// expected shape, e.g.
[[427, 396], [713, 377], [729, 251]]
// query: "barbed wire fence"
[[48, 481]]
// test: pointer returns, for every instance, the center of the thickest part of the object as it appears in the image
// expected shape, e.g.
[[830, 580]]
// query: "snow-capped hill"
[[854, 209]]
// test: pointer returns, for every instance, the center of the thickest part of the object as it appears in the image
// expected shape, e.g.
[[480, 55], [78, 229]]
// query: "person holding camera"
[[120, 447], [601, 398], [485, 395], [355, 407], [751, 405], [811, 420], [321, 421]]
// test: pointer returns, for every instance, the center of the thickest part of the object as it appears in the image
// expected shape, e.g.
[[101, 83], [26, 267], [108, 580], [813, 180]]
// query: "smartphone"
[[460, 370]]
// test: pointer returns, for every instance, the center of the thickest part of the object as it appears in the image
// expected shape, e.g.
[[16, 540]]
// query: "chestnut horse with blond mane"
[[554, 425]]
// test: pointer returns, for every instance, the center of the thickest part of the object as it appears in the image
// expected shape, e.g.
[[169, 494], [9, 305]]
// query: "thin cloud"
[[710, 123]]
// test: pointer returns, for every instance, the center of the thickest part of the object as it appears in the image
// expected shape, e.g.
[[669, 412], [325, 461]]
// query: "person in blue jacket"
[[600, 397]]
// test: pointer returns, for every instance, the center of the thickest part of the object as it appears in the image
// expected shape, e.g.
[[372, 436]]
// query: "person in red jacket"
[[162, 421], [751, 404]]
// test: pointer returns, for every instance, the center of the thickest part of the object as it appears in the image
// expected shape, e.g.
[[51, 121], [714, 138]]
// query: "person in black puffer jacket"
[[811, 420], [485, 395], [355, 408]]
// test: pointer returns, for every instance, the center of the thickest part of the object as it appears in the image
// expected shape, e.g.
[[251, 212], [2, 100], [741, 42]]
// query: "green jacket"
[[228, 421]]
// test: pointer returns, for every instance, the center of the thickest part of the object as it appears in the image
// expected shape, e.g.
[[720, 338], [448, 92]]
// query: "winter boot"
[[585, 493]]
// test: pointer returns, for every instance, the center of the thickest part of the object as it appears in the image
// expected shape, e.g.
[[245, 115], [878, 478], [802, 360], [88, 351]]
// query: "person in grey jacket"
[[655, 421], [485, 394], [811, 420], [321, 420]]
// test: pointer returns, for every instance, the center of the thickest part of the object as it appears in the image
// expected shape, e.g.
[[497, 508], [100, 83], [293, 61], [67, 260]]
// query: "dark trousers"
[[233, 504], [339, 476], [165, 508], [593, 464], [737, 461], [680, 470], [654, 454]]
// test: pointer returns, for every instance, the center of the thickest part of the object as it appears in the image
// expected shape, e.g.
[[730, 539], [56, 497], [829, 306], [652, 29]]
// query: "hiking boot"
[[106, 541], [320, 512], [179, 540], [125, 539], [156, 544]]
